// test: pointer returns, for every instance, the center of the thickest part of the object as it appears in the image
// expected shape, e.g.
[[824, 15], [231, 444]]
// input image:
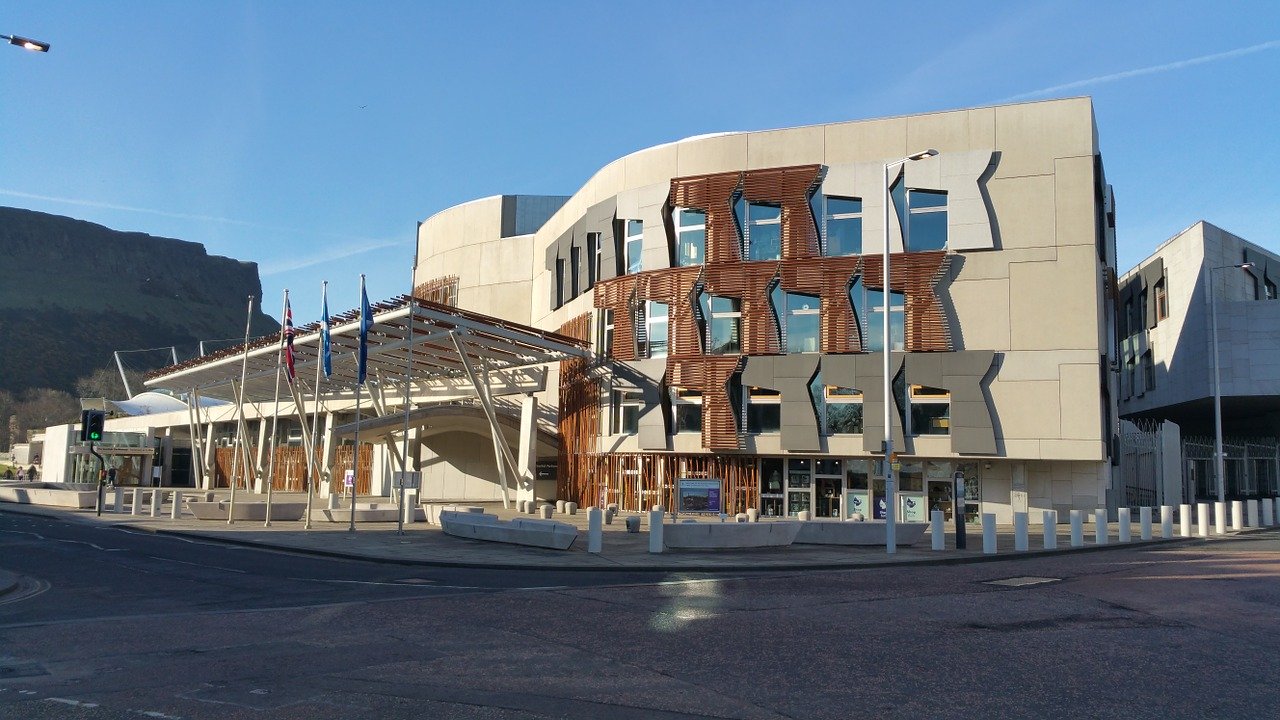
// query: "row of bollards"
[[154, 501], [1244, 513]]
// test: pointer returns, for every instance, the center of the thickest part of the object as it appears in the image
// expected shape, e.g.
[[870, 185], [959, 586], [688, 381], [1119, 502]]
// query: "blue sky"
[[311, 137]]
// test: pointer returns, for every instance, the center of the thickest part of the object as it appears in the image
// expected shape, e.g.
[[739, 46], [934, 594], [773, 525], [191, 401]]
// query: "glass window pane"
[[928, 199], [897, 331], [928, 231], [688, 418], [763, 212], [873, 340], [803, 334], [931, 418], [692, 217], [766, 242], [721, 304], [635, 228], [844, 418], [630, 419], [797, 502], [844, 236], [798, 465], [633, 256], [657, 338], [841, 206], [692, 248], [724, 336], [764, 418], [828, 467], [856, 473]]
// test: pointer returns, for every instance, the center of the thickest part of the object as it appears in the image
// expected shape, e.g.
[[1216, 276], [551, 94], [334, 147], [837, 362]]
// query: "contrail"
[[1147, 70], [334, 254]]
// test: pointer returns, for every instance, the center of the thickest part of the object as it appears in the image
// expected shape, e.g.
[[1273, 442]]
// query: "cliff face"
[[71, 292]]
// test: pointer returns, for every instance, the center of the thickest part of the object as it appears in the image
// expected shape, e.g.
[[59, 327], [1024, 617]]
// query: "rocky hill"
[[71, 292]]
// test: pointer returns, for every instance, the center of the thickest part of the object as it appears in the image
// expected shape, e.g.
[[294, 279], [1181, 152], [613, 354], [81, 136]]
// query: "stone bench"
[[835, 532], [80, 496], [520, 531], [433, 510], [728, 536], [365, 512], [217, 510]]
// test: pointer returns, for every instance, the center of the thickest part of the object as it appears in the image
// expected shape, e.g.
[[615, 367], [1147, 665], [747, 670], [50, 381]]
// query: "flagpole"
[[362, 358], [408, 378], [322, 355], [275, 413], [244, 370]]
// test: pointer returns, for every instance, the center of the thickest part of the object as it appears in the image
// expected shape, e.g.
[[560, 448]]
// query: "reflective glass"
[[634, 264], [844, 236], [724, 336], [856, 473], [693, 244], [657, 310], [630, 419], [844, 418], [899, 194], [692, 217], [721, 304], [657, 338], [842, 206], [778, 305], [766, 242], [635, 228], [763, 212], [928, 231], [927, 199], [828, 467], [803, 333], [764, 418], [688, 418]]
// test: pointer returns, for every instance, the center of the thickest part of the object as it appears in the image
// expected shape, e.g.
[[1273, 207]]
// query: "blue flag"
[[324, 331], [366, 320]]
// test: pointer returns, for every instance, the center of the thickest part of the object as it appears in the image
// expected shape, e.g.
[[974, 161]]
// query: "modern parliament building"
[[731, 288], [713, 309]]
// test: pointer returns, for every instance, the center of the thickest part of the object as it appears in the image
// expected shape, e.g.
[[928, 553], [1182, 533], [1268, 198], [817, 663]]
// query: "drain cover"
[[21, 669], [1022, 581]]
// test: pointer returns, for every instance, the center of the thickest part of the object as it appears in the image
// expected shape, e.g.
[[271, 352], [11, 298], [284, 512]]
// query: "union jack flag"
[[288, 338]]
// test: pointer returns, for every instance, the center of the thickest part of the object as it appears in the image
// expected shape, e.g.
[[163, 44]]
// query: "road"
[[117, 624]]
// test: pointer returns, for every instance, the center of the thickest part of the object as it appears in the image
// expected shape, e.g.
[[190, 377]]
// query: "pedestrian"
[[22, 474], [31, 473]]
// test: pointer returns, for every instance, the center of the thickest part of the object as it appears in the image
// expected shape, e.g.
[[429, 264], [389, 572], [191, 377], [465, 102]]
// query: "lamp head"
[[27, 43], [1245, 266], [923, 154]]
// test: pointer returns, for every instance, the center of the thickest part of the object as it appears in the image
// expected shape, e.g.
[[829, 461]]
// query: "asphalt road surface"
[[117, 624]]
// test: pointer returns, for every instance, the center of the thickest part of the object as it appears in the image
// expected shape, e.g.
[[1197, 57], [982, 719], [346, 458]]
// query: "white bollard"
[[1166, 521], [1202, 519], [1276, 501], [545, 512], [119, 500], [1124, 524], [332, 502], [1100, 529], [1237, 515], [1220, 518], [1077, 528], [1268, 510], [156, 500], [1050, 529], [176, 510], [753, 515], [136, 507], [1144, 520], [1184, 519], [988, 533], [1251, 518], [559, 507], [1020, 532], [936, 532], [595, 529], [655, 531]]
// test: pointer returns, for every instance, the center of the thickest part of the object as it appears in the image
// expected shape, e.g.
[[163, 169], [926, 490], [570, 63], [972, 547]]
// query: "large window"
[[560, 295], [930, 411], [839, 224], [798, 319], [686, 410], [873, 329], [605, 338], [926, 228], [691, 236], [725, 326], [1162, 300], [595, 258], [651, 329], [764, 410], [634, 246], [575, 265], [1270, 289], [841, 410], [1148, 372], [626, 412], [764, 232]]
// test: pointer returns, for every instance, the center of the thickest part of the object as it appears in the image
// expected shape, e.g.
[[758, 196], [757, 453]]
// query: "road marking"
[[1022, 581], [394, 584], [200, 565], [157, 715], [73, 703]]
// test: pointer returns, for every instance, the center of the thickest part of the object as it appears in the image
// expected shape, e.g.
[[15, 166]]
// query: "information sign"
[[700, 496], [411, 480], [349, 479]]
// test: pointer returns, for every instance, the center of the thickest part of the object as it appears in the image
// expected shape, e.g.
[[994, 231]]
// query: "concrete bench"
[[51, 494], [433, 510], [728, 536], [835, 532], [217, 510], [365, 512], [520, 531]]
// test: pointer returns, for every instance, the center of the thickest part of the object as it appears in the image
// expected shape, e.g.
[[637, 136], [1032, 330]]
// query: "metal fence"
[[1251, 466]]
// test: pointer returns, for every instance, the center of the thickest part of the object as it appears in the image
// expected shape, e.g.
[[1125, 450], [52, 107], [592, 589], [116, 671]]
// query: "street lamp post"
[[26, 43], [890, 530], [1219, 462]]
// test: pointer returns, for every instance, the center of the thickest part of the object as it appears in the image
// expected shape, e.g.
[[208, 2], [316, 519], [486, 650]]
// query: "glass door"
[[771, 497], [828, 488], [799, 486]]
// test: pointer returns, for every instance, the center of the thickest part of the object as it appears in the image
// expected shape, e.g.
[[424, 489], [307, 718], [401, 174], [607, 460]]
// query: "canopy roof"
[[490, 344]]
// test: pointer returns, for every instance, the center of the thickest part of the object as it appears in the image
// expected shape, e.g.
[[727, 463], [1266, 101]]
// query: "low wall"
[[79, 496], [217, 510], [832, 532], [728, 536]]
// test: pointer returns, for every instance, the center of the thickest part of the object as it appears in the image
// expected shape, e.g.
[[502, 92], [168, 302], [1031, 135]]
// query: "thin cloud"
[[291, 264], [1167, 67]]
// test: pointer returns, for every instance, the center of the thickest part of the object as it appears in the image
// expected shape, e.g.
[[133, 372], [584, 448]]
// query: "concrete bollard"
[[936, 532], [1144, 519], [332, 501], [633, 523], [1166, 521], [136, 507], [740, 517], [1276, 501], [1050, 520], [658, 508], [545, 512], [1077, 528], [119, 500], [753, 514], [1202, 519], [608, 516], [1220, 518], [157, 498], [595, 529], [521, 506], [613, 507], [571, 508], [534, 508], [559, 507], [1020, 543], [1251, 517], [1100, 529], [804, 516], [655, 531], [176, 511], [1268, 510], [409, 513], [1124, 523], [1184, 519], [988, 533], [1237, 515]]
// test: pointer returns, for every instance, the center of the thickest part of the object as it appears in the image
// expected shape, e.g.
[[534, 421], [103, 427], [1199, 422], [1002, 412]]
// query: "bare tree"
[[42, 407], [105, 383]]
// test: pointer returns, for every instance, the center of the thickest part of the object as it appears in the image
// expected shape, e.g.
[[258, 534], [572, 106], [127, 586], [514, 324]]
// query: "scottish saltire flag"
[[288, 336], [366, 320], [324, 331]]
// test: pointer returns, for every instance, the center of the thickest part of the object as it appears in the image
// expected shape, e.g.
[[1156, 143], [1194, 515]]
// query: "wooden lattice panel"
[[916, 275], [712, 194], [710, 375], [443, 290], [789, 187]]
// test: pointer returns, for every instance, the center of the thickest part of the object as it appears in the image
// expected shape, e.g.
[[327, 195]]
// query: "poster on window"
[[857, 503], [913, 508], [698, 496]]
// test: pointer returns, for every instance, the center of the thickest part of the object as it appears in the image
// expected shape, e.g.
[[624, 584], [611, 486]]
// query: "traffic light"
[[91, 422]]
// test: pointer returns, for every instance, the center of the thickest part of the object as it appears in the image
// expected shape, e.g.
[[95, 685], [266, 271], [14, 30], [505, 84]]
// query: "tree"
[[105, 383], [42, 407]]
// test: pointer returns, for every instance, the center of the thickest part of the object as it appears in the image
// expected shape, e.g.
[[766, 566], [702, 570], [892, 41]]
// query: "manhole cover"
[[21, 669], [1023, 581]]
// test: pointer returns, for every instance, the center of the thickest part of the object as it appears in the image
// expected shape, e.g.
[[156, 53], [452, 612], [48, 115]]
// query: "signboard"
[[857, 503], [698, 496], [411, 480], [349, 479], [914, 508]]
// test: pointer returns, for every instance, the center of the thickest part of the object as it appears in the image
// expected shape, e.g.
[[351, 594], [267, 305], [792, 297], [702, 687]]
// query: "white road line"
[[157, 715], [201, 565], [393, 584], [73, 703]]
